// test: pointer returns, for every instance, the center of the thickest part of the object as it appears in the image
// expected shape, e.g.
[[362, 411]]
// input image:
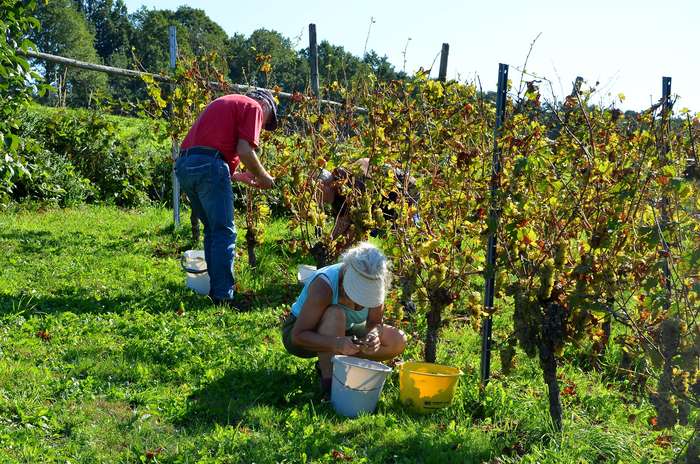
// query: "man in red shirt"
[[227, 132]]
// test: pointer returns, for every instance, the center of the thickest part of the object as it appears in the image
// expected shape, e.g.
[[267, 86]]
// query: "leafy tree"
[[336, 64], [65, 31], [151, 47], [381, 67], [113, 30], [16, 21], [248, 57], [197, 35], [203, 35], [340, 68], [114, 34]]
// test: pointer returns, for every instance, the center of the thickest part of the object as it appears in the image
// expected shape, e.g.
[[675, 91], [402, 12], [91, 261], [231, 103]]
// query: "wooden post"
[[577, 86], [313, 62], [490, 274], [442, 75], [176, 146]]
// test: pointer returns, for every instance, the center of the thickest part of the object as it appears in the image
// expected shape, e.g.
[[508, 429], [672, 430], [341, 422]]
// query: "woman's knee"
[[394, 339], [332, 321]]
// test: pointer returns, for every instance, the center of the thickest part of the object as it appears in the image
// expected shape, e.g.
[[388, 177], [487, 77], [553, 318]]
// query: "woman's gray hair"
[[369, 261]]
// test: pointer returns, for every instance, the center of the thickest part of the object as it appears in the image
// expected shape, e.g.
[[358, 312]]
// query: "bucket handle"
[[189, 270], [355, 389]]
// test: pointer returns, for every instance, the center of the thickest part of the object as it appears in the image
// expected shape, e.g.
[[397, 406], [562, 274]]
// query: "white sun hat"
[[366, 275]]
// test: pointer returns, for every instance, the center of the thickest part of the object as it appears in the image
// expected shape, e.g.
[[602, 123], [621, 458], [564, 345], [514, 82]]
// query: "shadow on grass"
[[37, 242], [165, 298], [30, 242], [273, 295], [225, 401], [88, 301], [229, 400], [163, 242], [426, 448]]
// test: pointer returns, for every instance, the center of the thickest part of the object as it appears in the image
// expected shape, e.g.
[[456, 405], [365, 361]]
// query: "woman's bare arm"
[[304, 333]]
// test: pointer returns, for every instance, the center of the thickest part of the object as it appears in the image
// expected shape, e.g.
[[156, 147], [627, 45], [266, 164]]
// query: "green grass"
[[119, 376]]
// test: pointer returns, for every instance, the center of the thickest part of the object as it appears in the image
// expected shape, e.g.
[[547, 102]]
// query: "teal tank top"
[[331, 274]]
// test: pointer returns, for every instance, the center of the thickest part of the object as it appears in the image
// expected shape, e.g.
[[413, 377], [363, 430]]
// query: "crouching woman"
[[340, 311]]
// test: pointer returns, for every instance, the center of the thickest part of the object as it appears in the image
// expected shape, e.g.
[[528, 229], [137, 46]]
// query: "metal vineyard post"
[[490, 271]]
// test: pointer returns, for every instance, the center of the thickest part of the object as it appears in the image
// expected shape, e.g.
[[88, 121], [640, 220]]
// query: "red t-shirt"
[[223, 122]]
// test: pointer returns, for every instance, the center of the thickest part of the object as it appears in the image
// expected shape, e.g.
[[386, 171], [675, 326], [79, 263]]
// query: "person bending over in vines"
[[340, 311], [334, 185]]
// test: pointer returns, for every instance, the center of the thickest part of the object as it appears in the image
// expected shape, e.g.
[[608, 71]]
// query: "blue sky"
[[625, 45]]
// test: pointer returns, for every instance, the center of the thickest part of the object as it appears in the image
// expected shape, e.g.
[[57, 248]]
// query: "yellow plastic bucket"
[[426, 387]]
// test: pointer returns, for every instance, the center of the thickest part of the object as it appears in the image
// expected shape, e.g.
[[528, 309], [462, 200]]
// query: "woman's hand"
[[371, 342], [344, 345]]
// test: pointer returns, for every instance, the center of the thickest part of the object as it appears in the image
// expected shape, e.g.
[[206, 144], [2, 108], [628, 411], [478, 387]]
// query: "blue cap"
[[266, 96]]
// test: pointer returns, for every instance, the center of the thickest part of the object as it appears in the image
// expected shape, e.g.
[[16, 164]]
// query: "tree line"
[[104, 32]]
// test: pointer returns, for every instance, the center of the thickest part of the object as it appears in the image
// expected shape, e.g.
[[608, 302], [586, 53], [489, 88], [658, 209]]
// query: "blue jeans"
[[206, 180]]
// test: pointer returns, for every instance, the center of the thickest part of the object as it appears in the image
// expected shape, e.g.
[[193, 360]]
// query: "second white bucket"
[[304, 272], [357, 384], [195, 266]]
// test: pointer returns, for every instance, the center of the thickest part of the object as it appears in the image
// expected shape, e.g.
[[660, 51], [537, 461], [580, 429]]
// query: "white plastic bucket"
[[304, 272], [195, 267], [357, 384]]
